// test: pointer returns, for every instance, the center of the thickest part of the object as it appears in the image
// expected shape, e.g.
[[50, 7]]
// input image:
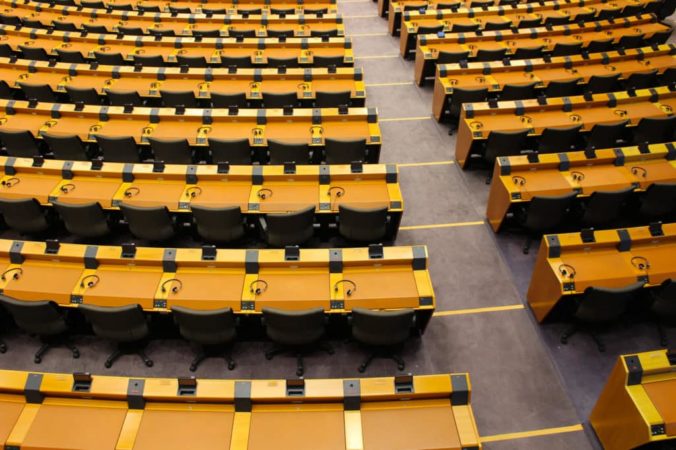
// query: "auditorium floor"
[[523, 380]]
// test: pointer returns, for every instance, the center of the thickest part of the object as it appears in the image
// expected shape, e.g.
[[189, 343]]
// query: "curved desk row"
[[214, 50], [511, 19], [198, 6], [495, 75], [516, 180], [64, 411], [478, 120], [388, 8], [311, 126], [429, 46], [637, 407], [247, 281], [38, 15], [567, 264]]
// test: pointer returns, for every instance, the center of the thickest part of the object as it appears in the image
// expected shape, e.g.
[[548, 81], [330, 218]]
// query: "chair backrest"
[[325, 99], [659, 201], [434, 29], [171, 151], [563, 49], [153, 223], [178, 98], [289, 63], [70, 56], [530, 23], [451, 57], [517, 91], [599, 84], [121, 149], [659, 38], [281, 152], [179, 9], [95, 29], [86, 220], [600, 305], [459, 28], [505, 143], [206, 33], [554, 20], [119, 324], [528, 52], [631, 41], [287, 33], [24, 215], [604, 207], [382, 328], [333, 32], [664, 300], [39, 92], [33, 53], [668, 76], [641, 80], [292, 228], [566, 88], [109, 59], [362, 224], [161, 32], [495, 26], [274, 100], [236, 151], [294, 328], [597, 46], [655, 130], [546, 213], [88, 96], [484, 55], [192, 61], [461, 95], [19, 143], [68, 148], [606, 135], [124, 98], [239, 33], [237, 61], [310, 10], [219, 100], [608, 13], [130, 31], [218, 224], [149, 60], [38, 317], [326, 61], [338, 151], [282, 11], [559, 139], [206, 327]]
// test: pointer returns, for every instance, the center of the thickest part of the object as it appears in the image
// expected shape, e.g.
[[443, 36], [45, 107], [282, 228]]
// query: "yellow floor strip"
[[402, 119], [431, 163], [441, 225], [396, 55], [367, 34], [459, 312], [396, 83], [533, 433]]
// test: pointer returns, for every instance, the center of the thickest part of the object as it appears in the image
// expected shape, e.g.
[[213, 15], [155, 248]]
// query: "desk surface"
[[662, 394]]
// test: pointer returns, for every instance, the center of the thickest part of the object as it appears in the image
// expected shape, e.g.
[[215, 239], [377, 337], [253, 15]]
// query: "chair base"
[[662, 332], [574, 328], [389, 354], [212, 353], [48, 344], [128, 350], [526, 245], [3, 347], [299, 352]]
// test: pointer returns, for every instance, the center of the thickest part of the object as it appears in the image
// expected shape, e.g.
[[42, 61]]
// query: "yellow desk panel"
[[663, 396], [10, 410]]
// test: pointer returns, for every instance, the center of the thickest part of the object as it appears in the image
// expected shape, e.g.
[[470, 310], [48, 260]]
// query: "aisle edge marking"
[[487, 309], [441, 225], [532, 433]]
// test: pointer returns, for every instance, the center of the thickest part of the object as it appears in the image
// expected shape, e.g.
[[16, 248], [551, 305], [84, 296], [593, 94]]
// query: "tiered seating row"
[[249, 7]]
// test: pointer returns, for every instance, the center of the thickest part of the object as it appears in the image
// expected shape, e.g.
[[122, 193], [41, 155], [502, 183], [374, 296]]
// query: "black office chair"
[[241, 34], [609, 13], [124, 325], [86, 220], [641, 80], [504, 143], [567, 88], [292, 228], [96, 4], [659, 38], [601, 306], [95, 29], [250, 11], [130, 31], [280, 33], [324, 33], [451, 57], [562, 49], [559, 139], [272, 100], [484, 55], [87, 96], [584, 17], [33, 53], [481, 3], [236, 151], [122, 149], [148, 8], [315, 11], [556, 20], [41, 318], [24, 215], [599, 84], [663, 307], [497, 26], [39, 92], [121, 7], [200, 34], [213, 11], [386, 331], [325, 99], [530, 23], [297, 331], [339, 151], [598, 46], [67, 148], [243, 62], [362, 224], [327, 61], [282, 11], [179, 9], [153, 223], [171, 151], [659, 201], [161, 32], [517, 91], [631, 41], [149, 60], [668, 76], [606, 135], [282, 152], [6, 51], [460, 96], [459, 28], [174, 99], [528, 52], [109, 59], [70, 56], [213, 330], [10, 20], [219, 100], [633, 10], [604, 208], [544, 214], [124, 98], [218, 225], [655, 130], [289, 63], [444, 5], [19, 143], [193, 62]]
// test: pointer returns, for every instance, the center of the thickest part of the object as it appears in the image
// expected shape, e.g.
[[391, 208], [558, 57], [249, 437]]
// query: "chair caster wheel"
[[300, 372], [108, 365], [76, 354], [268, 356], [149, 363], [663, 343], [564, 340], [231, 365], [193, 367], [401, 366], [362, 368], [3, 348], [37, 360]]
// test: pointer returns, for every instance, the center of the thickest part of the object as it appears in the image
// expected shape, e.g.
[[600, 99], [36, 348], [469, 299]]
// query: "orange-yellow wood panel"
[[44, 280], [290, 288], [10, 409], [663, 396], [215, 289], [380, 287]]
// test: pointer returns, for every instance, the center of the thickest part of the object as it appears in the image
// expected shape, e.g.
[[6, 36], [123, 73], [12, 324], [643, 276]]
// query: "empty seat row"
[[393, 9], [175, 413], [640, 68]]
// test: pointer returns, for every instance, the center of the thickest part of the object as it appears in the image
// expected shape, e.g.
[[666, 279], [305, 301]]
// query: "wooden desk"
[[232, 7], [636, 407], [196, 124], [566, 266], [517, 181], [181, 24], [387, 7], [478, 120], [495, 75], [429, 46], [258, 49], [149, 414], [320, 278]]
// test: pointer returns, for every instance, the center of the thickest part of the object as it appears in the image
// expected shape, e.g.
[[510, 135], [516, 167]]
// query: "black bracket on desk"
[[376, 251], [242, 396], [209, 252], [403, 384], [291, 253], [52, 246], [351, 395], [135, 398], [587, 235], [656, 229], [31, 389], [128, 250], [82, 382], [295, 388], [634, 369], [187, 386]]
